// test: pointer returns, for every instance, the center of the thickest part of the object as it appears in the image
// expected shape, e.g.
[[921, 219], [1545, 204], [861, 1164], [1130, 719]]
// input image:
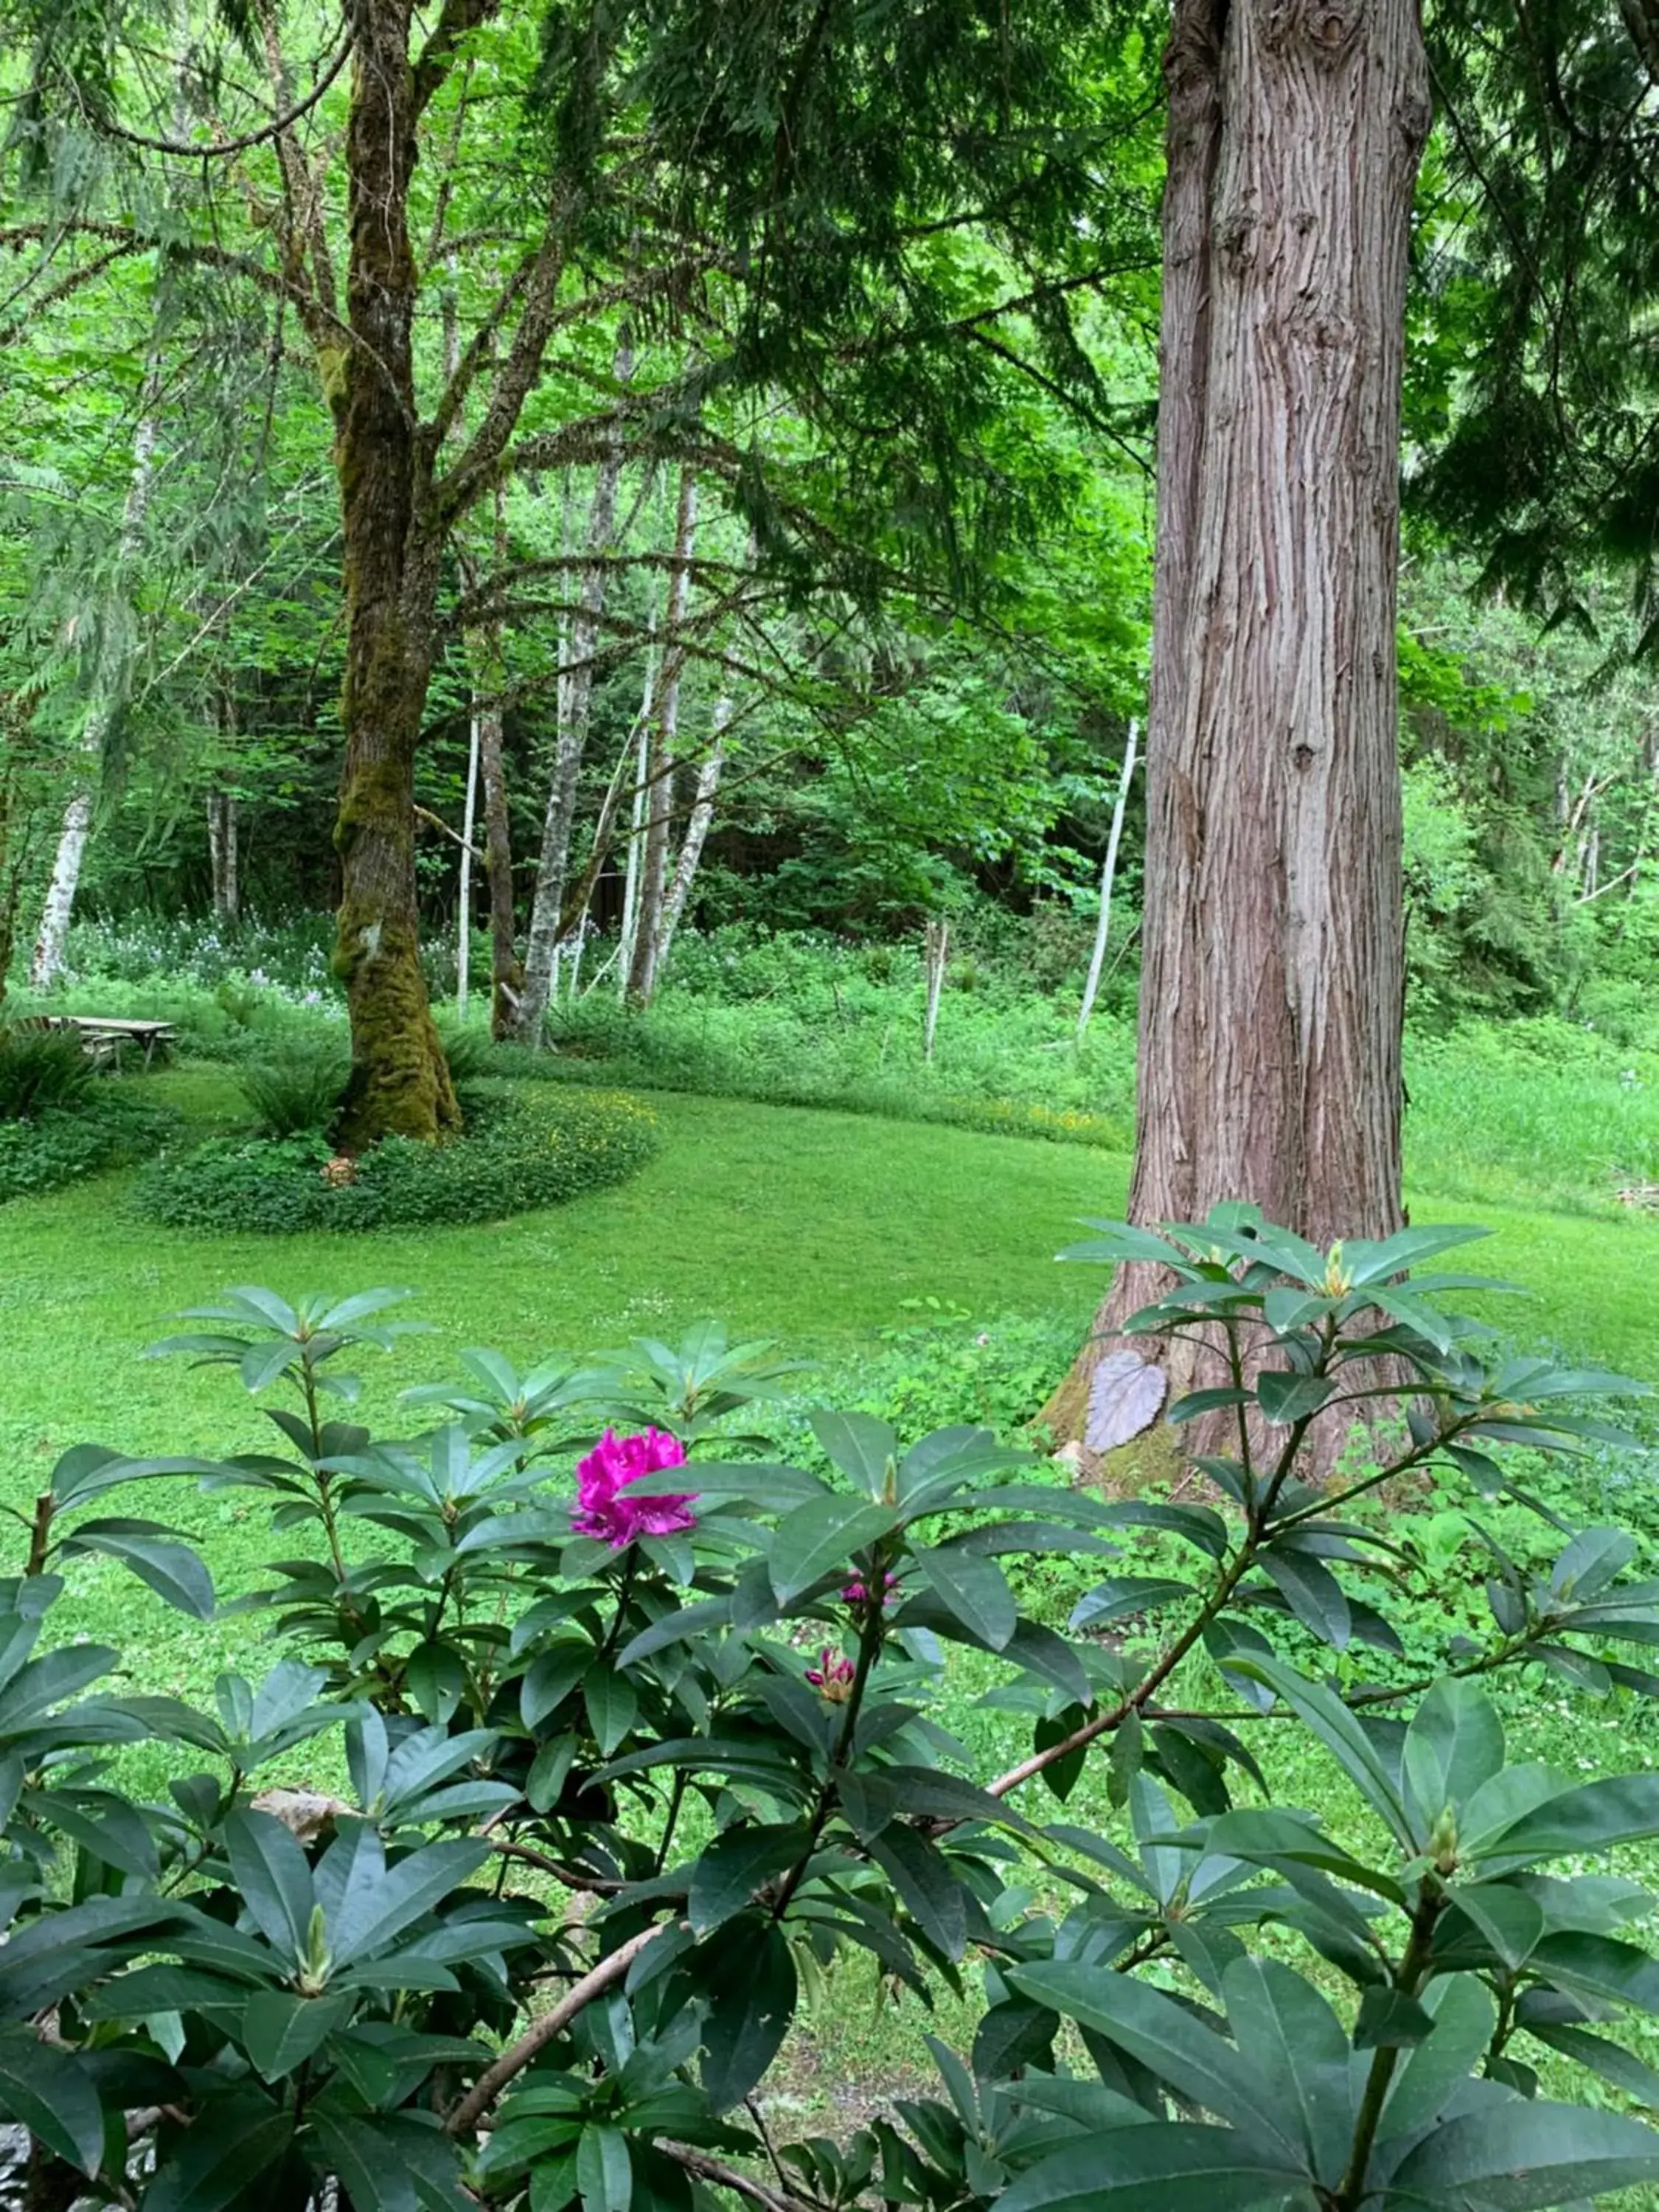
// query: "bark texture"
[[1269, 1058], [57, 911], [697, 834], [398, 512], [223, 857], [506, 973]]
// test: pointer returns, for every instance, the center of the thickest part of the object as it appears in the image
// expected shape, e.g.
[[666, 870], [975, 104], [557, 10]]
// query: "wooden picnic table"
[[106, 1031]]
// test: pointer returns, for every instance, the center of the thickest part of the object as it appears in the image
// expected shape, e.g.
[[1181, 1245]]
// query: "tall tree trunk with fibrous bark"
[[1269, 1057]]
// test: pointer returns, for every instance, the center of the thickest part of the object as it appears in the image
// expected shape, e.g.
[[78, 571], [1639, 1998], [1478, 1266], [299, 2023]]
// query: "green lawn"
[[812, 1229]]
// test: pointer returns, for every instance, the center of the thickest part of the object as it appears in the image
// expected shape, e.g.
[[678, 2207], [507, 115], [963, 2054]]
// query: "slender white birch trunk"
[[696, 834], [463, 888], [1103, 926], [630, 922], [620, 780], [541, 951], [933, 956], [659, 776], [47, 963]]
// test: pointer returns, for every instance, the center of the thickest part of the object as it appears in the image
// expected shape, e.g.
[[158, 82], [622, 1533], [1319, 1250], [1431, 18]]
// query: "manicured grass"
[[811, 1228]]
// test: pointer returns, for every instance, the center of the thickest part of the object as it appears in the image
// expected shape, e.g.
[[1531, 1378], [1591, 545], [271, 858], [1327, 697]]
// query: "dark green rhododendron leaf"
[[820, 1536], [725, 1879], [1525, 2155], [748, 1977], [1181, 2167]]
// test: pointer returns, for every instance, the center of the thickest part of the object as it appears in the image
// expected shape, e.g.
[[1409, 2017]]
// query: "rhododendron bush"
[[637, 1720]]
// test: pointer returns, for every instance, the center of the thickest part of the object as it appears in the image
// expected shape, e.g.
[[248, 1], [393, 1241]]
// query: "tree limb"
[[437, 57], [490, 2083], [513, 379], [222, 149], [722, 2176]]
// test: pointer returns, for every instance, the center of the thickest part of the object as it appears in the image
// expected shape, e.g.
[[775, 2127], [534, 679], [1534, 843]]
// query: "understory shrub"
[[55, 1147], [638, 1733], [523, 1149], [289, 953], [41, 1071], [297, 1090], [856, 1049]]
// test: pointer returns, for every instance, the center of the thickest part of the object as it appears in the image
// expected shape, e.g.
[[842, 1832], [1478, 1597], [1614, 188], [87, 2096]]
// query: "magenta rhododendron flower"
[[604, 1509], [833, 1676]]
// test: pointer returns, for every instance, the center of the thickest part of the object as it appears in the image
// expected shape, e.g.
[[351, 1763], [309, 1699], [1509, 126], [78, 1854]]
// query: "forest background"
[[821, 611]]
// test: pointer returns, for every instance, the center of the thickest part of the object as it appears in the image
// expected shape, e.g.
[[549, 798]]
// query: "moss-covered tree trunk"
[[400, 1082]]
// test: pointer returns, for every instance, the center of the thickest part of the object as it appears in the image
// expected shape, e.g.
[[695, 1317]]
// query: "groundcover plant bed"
[[522, 1149], [636, 1728], [59, 1119]]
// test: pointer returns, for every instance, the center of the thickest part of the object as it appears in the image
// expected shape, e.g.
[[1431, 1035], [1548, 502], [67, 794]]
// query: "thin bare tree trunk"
[[1269, 1063], [59, 909], [630, 921], [1107, 874], [935, 949], [506, 976], [696, 833], [661, 758], [577, 692], [222, 855], [578, 906], [463, 886]]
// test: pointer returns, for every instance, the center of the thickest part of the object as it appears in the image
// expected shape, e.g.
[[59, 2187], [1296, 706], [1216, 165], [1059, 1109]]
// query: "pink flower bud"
[[834, 1675]]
